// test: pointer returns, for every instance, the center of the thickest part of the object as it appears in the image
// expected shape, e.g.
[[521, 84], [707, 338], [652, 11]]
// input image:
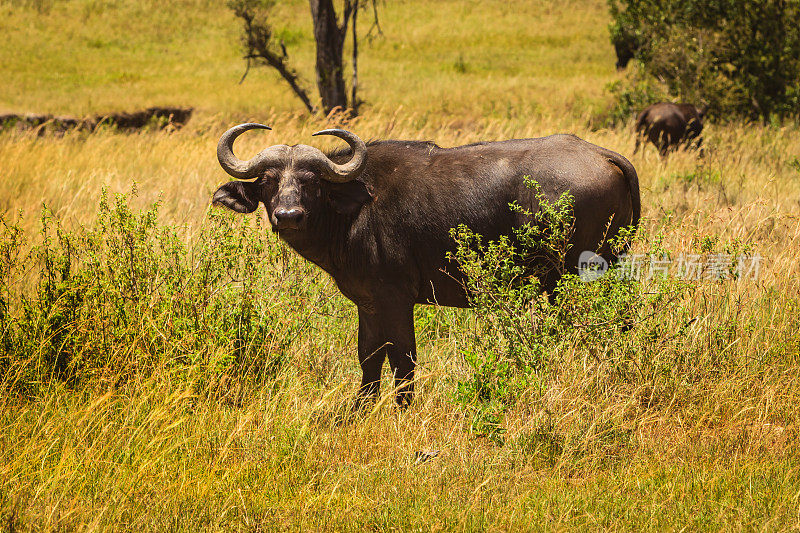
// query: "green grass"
[[689, 421], [88, 56]]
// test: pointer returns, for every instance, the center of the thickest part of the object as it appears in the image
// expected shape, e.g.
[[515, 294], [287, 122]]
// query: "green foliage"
[[460, 65], [520, 330], [258, 32], [128, 295], [630, 96], [740, 57]]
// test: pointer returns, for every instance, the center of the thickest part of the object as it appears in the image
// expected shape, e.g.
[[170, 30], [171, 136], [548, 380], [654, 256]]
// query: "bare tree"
[[330, 34]]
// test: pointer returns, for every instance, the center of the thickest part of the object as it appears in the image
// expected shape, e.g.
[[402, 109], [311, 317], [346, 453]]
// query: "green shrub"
[[740, 57], [128, 295], [519, 328]]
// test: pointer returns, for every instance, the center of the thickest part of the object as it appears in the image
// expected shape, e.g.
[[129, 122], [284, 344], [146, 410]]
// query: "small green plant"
[[703, 177], [460, 65], [520, 329]]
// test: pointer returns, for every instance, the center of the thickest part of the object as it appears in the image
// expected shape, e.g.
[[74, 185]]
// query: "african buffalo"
[[625, 48], [669, 125], [377, 218]]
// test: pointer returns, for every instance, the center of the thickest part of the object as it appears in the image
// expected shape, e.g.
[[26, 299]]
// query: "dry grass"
[[709, 442]]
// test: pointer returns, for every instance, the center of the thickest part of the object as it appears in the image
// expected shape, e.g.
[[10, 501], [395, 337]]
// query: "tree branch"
[[246, 70], [376, 25], [347, 10], [257, 37]]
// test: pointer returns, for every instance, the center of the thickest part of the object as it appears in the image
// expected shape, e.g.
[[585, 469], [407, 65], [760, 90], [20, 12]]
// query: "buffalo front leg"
[[387, 333], [371, 354]]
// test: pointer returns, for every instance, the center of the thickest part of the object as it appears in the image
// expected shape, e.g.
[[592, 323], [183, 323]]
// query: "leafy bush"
[[520, 329], [128, 295], [740, 57], [630, 96], [628, 330]]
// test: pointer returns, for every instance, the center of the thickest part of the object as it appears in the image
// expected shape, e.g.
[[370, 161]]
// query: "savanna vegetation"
[[741, 58], [168, 366]]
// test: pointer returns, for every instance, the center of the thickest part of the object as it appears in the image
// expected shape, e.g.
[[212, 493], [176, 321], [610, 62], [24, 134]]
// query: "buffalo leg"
[[699, 147], [387, 333], [403, 355], [371, 354]]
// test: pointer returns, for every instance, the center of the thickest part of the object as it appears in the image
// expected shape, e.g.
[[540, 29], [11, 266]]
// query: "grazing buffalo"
[[377, 218], [669, 125]]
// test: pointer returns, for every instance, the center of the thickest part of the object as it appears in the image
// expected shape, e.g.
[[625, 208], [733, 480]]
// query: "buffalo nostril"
[[289, 217]]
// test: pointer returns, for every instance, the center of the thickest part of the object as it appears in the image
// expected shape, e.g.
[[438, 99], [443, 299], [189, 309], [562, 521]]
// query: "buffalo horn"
[[350, 170], [231, 164]]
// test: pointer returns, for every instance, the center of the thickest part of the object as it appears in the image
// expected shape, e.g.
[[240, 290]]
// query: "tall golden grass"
[[710, 443]]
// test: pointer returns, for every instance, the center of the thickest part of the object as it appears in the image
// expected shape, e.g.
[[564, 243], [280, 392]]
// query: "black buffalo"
[[669, 126], [627, 43], [626, 50], [377, 218]]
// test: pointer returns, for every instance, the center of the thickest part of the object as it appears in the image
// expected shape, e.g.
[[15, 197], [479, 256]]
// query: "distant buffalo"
[[626, 49], [627, 43], [377, 218], [668, 126]]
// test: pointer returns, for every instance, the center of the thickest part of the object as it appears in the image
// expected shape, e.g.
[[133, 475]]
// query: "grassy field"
[[689, 421]]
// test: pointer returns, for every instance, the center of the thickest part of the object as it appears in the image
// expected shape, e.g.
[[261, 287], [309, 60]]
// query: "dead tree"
[[329, 34]]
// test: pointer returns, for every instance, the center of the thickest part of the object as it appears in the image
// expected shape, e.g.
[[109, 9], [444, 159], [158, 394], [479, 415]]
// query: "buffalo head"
[[295, 183]]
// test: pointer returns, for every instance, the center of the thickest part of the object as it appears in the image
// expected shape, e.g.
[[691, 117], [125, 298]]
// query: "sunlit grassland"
[[704, 436], [445, 58]]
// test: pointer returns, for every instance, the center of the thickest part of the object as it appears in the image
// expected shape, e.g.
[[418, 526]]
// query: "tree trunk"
[[330, 46], [354, 85]]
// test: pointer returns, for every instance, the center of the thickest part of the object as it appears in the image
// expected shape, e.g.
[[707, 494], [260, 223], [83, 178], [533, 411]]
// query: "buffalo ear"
[[238, 196], [348, 198]]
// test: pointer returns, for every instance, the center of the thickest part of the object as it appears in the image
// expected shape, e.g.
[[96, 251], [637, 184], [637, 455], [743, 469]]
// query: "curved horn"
[[230, 163], [350, 170]]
